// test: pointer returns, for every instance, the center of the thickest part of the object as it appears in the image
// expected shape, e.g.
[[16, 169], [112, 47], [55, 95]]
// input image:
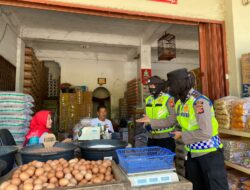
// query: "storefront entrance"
[[213, 61]]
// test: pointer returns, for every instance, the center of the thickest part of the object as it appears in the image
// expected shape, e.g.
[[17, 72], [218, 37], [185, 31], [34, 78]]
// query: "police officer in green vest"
[[160, 118], [195, 114]]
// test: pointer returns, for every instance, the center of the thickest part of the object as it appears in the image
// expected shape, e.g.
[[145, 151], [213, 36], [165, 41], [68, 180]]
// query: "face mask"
[[156, 91], [179, 89], [174, 89]]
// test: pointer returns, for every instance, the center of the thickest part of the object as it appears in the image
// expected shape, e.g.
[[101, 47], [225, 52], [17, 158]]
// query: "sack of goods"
[[238, 180], [240, 114], [237, 151], [15, 114], [223, 107]]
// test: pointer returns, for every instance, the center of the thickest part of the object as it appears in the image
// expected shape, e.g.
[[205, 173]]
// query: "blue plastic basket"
[[136, 160]]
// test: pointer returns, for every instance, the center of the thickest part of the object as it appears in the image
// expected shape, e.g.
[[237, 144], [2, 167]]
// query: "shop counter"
[[183, 184], [122, 183]]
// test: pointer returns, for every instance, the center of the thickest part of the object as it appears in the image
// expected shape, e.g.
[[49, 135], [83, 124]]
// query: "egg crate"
[[152, 178]]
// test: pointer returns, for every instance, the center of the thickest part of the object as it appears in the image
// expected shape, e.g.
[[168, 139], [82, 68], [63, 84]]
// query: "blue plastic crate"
[[136, 160]]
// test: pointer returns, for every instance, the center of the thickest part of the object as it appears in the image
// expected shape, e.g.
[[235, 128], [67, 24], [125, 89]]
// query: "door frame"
[[106, 12], [116, 13]]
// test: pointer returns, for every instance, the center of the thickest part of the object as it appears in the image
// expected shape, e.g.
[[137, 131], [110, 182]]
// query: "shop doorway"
[[101, 97]]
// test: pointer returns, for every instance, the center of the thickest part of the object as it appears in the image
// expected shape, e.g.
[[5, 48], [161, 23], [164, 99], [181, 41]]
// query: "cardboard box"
[[88, 110], [245, 58], [245, 68], [245, 71], [87, 97]]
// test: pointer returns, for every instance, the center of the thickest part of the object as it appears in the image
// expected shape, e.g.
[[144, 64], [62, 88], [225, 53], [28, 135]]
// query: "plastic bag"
[[15, 103], [85, 122], [234, 144], [240, 114], [14, 118], [15, 111], [16, 96], [23, 131], [76, 130], [223, 108], [224, 102]]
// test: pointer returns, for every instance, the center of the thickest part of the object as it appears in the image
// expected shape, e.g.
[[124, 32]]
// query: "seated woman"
[[40, 125]]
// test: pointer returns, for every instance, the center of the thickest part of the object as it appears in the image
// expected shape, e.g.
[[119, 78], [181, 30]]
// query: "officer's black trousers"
[[168, 143], [207, 172]]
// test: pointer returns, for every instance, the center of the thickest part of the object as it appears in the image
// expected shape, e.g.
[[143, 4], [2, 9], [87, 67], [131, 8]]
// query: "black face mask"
[[157, 90], [179, 89], [174, 89]]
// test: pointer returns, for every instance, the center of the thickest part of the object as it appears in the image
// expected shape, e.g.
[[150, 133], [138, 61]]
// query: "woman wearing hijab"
[[40, 125]]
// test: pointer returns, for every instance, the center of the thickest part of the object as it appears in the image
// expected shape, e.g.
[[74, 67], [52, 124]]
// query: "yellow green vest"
[[186, 118], [157, 109]]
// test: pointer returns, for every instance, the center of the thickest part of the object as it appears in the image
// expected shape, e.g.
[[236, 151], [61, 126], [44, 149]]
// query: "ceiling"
[[50, 33]]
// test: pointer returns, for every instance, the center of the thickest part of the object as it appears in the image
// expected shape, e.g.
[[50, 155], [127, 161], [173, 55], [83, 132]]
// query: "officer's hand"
[[67, 140], [145, 119], [177, 134]]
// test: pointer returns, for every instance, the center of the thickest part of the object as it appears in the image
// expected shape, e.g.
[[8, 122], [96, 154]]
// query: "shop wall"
[[8, 40], [12, 47], [212, 9], [162, 69], [238, 40], [86, 72]]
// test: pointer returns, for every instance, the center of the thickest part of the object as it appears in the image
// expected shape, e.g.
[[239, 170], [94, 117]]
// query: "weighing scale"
[[152, 177], [89, 133], [93, 133]]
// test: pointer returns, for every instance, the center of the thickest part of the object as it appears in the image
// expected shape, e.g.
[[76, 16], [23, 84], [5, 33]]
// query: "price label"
[[49, 140], [108, 158]]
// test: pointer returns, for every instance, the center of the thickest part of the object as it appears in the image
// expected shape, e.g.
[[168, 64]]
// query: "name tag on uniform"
[[185, 114]]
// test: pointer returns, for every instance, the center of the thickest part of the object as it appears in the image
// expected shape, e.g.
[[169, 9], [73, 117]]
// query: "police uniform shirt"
[[168, 122], [202, 109]]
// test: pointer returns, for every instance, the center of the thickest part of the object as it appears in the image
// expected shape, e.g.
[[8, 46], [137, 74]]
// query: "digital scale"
[[152, 177], [93, 133], [89, 133]]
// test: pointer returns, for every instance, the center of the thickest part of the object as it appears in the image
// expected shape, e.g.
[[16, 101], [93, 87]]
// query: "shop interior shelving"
[[235, 133], [238, 133], [238, 167]]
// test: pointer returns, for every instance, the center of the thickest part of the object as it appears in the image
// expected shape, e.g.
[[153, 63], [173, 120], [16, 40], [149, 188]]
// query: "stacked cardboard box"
[[68, 111], [245, 71], [123, 112], [74, 107], [133, 95], [35, 78], [84, 104]]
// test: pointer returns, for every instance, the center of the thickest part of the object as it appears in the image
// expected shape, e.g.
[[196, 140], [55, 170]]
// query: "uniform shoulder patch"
[[196, 94], [185, 108], [171, 102]]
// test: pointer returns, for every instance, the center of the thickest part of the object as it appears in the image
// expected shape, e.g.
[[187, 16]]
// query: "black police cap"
[[155, 80], [178, 74]]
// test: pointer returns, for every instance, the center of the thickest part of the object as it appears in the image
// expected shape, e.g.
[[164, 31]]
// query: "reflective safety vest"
[[186, 117], [157, 109]]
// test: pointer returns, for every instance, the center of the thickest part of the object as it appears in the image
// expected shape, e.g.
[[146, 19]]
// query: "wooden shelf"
[[235, 133], [237, 167]]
